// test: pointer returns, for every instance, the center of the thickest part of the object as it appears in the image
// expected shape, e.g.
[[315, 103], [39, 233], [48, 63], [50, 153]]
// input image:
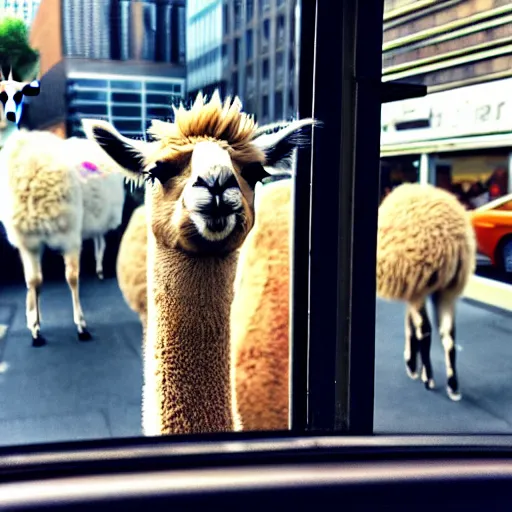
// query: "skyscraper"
[[25, 9]]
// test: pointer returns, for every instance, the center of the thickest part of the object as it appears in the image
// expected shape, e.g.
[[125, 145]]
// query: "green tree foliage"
[[15, 50]]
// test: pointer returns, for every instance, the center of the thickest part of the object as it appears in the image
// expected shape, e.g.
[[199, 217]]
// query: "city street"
[[72, 391]]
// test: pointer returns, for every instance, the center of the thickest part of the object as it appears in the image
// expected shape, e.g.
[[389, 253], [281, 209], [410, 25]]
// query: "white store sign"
[[474, 110]]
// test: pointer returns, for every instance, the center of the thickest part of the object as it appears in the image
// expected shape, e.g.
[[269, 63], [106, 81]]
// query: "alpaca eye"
[[254, 172], [163, 172]]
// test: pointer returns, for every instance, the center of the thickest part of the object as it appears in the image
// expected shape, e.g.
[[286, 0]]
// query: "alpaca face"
[[201, 204], [212, 196], [11, 98]]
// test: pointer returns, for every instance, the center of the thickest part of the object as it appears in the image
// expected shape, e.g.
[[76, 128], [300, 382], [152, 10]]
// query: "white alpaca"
[[41, 203], [103, 198]]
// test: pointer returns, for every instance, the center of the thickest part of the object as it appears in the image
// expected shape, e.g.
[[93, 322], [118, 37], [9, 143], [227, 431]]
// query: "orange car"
[[493, 227]]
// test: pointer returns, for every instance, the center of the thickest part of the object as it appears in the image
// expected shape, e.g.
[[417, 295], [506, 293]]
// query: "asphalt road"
[[74, 391]]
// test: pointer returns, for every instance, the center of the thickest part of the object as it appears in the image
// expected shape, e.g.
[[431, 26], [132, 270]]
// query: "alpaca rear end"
[[425, 248]]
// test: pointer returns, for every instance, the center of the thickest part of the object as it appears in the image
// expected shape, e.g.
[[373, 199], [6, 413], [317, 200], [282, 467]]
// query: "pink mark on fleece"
[[89, 170]]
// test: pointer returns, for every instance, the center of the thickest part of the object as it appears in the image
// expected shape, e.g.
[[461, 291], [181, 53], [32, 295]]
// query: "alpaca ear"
[[279, 140], [128, 153], [32, 89]]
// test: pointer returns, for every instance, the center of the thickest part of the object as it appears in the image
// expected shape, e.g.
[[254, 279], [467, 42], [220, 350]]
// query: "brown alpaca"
[[200, 174], [260, 312]]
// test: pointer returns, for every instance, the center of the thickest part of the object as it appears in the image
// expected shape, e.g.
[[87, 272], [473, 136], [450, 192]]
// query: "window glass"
[[77, 371], [458, 139]]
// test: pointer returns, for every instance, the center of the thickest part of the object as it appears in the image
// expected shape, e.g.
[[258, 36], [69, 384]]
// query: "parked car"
[[493, 227]]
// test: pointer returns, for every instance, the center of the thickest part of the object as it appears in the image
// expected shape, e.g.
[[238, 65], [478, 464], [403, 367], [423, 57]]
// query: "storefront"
[[460, 140]]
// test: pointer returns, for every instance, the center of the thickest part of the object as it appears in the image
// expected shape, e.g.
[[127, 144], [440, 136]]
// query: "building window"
[[291, 102], [238, 14], [397, 170], [249, 81], [250, 10], [265, 69], [265, 35], [475, 178], [279, 65], [236, 54], [292, 30], [248, 44], [278, 105], [125, 111], [225, 17], [280, 30], [265, 106], [235, 83]]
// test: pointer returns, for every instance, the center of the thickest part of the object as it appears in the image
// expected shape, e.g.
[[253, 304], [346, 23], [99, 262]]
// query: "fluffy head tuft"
[[224, 123]]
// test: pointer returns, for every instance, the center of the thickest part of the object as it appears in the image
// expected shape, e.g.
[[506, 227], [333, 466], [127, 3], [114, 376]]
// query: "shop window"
[[474, 178], [397, 170]]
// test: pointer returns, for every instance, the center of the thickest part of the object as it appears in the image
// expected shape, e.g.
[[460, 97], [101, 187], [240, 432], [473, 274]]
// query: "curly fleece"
[[131, 263], [425, 243], [40, 196], [260, 315]]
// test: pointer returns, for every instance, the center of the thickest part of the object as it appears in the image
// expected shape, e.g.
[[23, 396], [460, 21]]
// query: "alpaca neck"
[[187, 356], [5, 133]]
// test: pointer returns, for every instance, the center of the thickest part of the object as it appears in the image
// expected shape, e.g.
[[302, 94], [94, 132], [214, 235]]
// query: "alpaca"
[[39, 208], [103, 198], [260, 333], [131, 260], [200, 172], [426, 248]]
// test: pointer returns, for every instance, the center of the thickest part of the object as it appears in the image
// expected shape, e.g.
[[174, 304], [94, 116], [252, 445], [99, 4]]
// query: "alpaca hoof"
[[429, 384], [38, 341], [100, 275], [455, 396], [84, 335], [411, 375]]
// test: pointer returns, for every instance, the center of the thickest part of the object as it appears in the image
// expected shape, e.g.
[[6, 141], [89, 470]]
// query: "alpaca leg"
[[99, 251], [411, 347], [422, 327], [31, 261], [445, 304], [72, 264]]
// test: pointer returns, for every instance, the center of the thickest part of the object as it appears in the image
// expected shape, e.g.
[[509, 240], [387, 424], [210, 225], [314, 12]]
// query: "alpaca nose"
[[11, 116], [218, 207]]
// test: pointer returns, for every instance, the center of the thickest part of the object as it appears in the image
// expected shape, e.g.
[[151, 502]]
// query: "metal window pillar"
[[424, 170], [344, 170]]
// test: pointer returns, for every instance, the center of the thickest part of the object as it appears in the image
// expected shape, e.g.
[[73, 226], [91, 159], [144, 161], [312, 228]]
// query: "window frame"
[[332, 373]]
